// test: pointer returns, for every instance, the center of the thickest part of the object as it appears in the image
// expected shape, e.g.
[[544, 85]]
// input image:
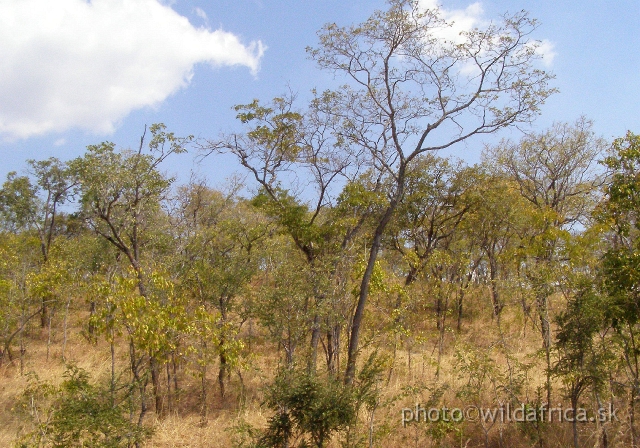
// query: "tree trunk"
[[545, 330], [459, 304], [138, 381], [169, 395], [64, 329], [44, 315], [155, 384], [358, 316], [495, 294], [203, 386], [356, 322], [632, 418], [221, 374], [574, 423], [315, 339]]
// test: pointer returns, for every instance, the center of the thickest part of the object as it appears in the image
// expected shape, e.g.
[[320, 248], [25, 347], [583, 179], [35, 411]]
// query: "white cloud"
[[471, 17], [200, 13], [78, 64], [546, 50], [459, 19]]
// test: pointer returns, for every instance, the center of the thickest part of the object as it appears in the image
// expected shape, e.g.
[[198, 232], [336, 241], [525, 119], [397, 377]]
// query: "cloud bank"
[[77, 64]]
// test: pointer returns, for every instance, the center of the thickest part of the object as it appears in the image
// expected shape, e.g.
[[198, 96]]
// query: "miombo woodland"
[[356, 274]]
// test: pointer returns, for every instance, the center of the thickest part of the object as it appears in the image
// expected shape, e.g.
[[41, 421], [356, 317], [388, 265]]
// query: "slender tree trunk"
[[155, 384], [315, 339], [495, 293], [331, 367], [112, 384], [337, 331], [174, 363], [64, 328], [602, 437], [358, 316], [44, 315], [371, 425], [221, 373], [545, 330], [574, 423], [22, 349], [138, 381], [459, 309], [169, 394], [203, 395], [92, 312], [49, 336], [632, 418], [203, 386], [441, 327]]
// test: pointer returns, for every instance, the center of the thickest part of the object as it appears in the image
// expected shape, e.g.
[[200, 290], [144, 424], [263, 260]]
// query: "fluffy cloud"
[[473, 17], [547, 52], [459, 19], [78, 64]]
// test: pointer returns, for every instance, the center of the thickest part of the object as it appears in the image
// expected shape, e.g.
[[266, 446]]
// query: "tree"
[[32, 203], [281, 145], [121, 193], [424, 232], [20, 258], [582, 361], [431, 211], [500, 220], [555, 172], [411, 91], [307, 409], [219, 236], [620, 270], [555, 169]]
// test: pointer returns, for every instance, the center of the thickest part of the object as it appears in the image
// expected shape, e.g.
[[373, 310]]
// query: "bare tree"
[[410, 90]]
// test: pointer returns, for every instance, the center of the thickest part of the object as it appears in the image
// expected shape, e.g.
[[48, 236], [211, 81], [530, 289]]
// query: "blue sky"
[[74, 73]]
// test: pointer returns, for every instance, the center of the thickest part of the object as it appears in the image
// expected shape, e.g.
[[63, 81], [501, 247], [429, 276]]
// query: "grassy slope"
[[183, 429]]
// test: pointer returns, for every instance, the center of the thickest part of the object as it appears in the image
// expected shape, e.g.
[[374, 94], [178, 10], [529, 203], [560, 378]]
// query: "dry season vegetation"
[[362, 291]]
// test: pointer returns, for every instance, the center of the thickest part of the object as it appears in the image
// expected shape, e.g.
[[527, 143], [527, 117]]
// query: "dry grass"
[[417, 369]]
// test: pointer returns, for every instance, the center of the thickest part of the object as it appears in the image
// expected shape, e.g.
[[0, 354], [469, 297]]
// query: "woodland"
[[354, 276]]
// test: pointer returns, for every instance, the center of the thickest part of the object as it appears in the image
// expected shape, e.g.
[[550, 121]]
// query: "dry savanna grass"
[[493, 355]]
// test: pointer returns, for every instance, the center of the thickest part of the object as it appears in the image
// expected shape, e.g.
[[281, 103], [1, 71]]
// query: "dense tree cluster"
[[361, 259]]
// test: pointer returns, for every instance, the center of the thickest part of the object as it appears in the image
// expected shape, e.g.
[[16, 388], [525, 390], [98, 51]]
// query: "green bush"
[[76, 414], [309, 410]]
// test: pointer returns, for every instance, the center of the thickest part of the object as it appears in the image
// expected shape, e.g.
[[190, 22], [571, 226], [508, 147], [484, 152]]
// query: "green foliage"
[[378, 277], [282, 302], [51, 281], [32, 202], [621, 212], [308, 410], [276, 127], [76, 414], [293, 216], [121, 191], [18, 203], [582, 360], [154, 323]]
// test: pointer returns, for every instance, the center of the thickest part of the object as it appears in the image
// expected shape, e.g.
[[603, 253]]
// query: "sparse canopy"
[[410, 90]]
